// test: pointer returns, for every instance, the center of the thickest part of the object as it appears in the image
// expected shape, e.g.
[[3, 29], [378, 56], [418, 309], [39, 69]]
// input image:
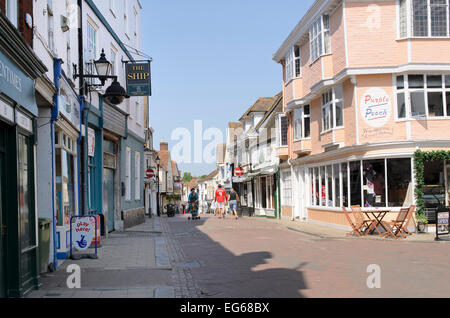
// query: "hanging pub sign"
[[138, 79]]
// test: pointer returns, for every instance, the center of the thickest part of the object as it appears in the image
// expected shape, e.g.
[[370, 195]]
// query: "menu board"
[[442, 224]]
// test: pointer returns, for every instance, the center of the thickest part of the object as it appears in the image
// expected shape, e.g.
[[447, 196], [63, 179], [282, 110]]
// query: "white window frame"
[[319, 38], [330, 103], [286, 188], [406, 91], [12, 11], [278, 129], [113, 60], [292, 61], [409, 15], [137, 176], [299, 123], [128, 174]]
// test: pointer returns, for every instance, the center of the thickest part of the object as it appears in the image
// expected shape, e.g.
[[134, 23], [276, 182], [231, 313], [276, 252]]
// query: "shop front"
[[114, 130], [66, 134], [19, 272], [382, 178]]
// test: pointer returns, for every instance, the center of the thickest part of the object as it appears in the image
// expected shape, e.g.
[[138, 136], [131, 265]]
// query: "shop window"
[[344, 174], [434, 189], [337, 185], [400, 187], [263, 193], [374, 183], [323, 192], [65, 186], [355, 183], [317, 187]]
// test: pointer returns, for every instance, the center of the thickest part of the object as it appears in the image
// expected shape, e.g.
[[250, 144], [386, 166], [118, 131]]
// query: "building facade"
[[20, 70], [365, 86]]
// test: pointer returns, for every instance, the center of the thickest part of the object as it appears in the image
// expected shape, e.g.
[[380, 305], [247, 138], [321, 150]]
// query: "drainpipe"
[[80, 137], [54, 116]]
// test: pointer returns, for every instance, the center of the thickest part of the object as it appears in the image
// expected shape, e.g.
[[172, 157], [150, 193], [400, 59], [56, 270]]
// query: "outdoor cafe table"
[[378, 216]]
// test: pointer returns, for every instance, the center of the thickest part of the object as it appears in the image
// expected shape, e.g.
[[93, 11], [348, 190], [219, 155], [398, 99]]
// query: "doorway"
[[108, 197], [2, 216]]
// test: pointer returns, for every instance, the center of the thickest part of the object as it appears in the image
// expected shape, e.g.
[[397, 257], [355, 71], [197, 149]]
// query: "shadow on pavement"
[[221, 274]]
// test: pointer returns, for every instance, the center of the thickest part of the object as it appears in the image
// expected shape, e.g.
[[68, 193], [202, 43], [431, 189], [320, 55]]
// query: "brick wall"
[[25, 6]]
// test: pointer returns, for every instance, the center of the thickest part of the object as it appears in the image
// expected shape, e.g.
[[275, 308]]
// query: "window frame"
[[331, 104], [409, 16], [319, 44], [302, 119], [406, 91]]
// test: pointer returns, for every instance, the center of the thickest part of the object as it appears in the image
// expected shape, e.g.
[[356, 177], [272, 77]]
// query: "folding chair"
[[355, 229], [361, 221], [394, 228], [404, 230]]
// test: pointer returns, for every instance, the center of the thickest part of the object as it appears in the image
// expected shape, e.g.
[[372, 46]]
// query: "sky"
[[211, 61]]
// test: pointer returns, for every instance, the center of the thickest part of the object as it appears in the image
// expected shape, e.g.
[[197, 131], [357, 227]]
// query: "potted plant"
[[422, 221]]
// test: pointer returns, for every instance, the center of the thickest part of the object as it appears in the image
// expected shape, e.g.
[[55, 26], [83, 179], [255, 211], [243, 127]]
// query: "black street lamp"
[[114, 94], [158, 161]]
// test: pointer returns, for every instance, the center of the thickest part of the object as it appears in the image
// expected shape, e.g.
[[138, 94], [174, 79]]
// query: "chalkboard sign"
[[442, 222]]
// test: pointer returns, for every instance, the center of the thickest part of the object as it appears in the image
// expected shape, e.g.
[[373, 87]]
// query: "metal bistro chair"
[[394, 228]]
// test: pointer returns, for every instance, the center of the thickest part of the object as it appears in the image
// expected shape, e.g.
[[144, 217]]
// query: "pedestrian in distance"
[[233, 200], [193, 204], [221, 198]]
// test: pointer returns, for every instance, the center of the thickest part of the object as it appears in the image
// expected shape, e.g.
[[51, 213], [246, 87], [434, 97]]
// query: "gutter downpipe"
[[80, 137], [54, 117]]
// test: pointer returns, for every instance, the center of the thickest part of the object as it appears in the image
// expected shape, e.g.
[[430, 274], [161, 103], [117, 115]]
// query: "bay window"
[[332, 109], [293, 63], [319, 35], [426, 96], [302, 123], [423, 18]]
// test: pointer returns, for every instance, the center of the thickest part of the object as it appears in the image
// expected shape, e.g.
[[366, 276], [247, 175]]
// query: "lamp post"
[[158, 161], [115, 94]]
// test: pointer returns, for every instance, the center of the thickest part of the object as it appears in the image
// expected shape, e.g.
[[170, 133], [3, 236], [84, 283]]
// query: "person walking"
[[220, 198], [193, 203], [233, 199]]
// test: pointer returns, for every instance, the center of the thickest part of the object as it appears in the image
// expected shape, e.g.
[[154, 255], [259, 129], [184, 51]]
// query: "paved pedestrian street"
[[251, 258]]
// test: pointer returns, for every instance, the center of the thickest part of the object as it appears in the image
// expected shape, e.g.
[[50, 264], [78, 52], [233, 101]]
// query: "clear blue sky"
[[212, 60]]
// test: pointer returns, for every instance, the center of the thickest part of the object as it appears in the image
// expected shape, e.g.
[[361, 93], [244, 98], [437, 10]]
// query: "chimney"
[[164, 146]]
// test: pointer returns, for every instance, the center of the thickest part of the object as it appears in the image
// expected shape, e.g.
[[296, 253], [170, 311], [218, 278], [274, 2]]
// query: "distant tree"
[[187, 177], [202, 177]]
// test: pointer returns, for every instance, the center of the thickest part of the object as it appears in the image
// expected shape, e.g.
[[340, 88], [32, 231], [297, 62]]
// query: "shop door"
[[108, 197], [27, 219], [2, 223]]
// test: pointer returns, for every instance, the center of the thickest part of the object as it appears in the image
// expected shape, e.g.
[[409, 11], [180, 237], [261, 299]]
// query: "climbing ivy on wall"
[[420, 158]]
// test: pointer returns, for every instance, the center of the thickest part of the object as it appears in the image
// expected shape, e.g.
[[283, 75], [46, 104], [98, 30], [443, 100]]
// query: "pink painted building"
[[365, 84]]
